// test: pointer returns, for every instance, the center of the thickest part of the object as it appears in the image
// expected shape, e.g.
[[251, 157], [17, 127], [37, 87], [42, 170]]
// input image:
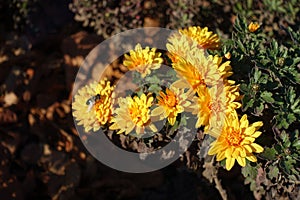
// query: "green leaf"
[[154, 88], [284, 136], [291, 118], [267, 96], [288, 165], [241, 46], [296, 144], [257, 75], [250, 171], [273, 173], [269, 153], [152, 79], [259, 109], [248, 103], [244, 88]]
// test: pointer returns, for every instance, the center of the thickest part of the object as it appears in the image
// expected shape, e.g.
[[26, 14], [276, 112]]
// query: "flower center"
[[234, 138], [138, 114], [199, 81], [168, 99]]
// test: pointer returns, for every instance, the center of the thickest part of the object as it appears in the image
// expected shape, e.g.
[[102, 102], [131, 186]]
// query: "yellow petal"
[[228, 152], [215, 149], [257, 148], [229, 163], [114, 126], [130, 127], [153, 128], [250, 130], [257, 124], [220, 156], [244, 122], [157, 111], [248, 148], [256, 134], [172, 120], [241, 161], [251, 158]]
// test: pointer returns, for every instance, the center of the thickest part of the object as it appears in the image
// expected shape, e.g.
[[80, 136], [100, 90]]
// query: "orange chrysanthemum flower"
[[253, 26], [171, 103], [236, 141]]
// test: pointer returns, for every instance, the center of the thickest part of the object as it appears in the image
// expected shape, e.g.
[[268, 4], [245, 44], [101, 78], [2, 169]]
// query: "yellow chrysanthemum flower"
[[236, 141], [143, 60], [198, 70], [232, 96], [178, 46], [92, 105], [171, 103], [253, 26], [133, 113], [223, 68], [202, 106], [205, 39], [212, 105]]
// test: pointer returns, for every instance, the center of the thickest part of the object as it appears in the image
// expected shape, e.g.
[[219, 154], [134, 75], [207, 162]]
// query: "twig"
[[219, 187]]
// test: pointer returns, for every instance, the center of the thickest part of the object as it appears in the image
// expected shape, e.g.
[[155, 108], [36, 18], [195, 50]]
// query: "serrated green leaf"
[[288, 165], [287, 144], [249, 103], [284, 136], [267, 96], [291, 118], [259, 109], [244, 88], [269, 153], [273, 173], [153, 79], [257, 75], [154, 88], [296, 144], [249, 171]]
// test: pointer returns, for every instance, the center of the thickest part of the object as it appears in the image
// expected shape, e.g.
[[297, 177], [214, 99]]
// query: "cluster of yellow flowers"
[[203, 89]]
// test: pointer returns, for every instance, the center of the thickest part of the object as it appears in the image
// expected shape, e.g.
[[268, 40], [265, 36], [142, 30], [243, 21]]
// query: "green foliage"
[[269, 75], [272, 74], [281, 172], [271, 13]]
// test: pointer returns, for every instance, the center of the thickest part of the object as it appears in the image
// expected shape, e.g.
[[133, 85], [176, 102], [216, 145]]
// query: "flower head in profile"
[[202, 106], [133, 113], [253, 26], [171, 103], [92, 105], [143, 60], [236, 141], [205, 39]]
